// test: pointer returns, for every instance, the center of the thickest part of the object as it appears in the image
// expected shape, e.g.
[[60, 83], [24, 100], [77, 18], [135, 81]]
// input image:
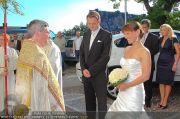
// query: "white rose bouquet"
[[118, 75]]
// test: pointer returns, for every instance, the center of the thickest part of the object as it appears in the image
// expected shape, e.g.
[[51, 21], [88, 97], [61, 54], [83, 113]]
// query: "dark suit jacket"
[[95, 59], [152, 43]]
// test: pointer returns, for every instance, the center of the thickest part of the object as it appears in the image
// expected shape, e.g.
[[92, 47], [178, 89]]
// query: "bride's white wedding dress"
[[132, 99]]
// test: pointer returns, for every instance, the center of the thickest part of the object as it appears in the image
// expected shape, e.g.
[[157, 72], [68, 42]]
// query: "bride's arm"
[[145, 59]]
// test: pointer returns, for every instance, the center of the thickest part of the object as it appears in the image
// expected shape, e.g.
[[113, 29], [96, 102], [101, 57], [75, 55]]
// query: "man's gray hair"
[[36, 25]]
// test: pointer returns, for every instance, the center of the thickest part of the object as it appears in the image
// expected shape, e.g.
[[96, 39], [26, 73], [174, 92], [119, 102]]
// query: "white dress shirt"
[[93, 36], [143, 39], [77, 43]]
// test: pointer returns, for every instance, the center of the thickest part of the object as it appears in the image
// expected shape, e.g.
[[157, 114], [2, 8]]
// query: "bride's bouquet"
[[118, 76]]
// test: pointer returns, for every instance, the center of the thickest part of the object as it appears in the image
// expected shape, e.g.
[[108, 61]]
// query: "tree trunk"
[[148, 7]]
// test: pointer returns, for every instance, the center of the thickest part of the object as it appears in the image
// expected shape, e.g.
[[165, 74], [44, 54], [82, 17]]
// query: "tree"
[[12, 6], [160, 12], [72, 32], [83, 28]]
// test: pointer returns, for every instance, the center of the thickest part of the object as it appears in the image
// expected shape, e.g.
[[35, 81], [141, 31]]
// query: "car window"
[[156, 33], [121, 42], [178, 36], [69, 43]]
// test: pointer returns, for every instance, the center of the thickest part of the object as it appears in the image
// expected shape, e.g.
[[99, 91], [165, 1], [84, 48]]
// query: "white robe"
[[42, 99], [37, 86], [12, 60], [54, 55]]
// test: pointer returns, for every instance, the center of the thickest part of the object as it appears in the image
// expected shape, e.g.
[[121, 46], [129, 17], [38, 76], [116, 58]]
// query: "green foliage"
[[72, 32], [160, 12], [157, 17], [116, 5], [160, 15], [173, 19], [11, 6]]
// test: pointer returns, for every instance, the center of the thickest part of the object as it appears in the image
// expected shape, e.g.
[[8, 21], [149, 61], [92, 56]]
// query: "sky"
[[64, 14]]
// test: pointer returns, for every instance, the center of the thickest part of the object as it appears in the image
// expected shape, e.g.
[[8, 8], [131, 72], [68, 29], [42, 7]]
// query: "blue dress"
[[164, 74]]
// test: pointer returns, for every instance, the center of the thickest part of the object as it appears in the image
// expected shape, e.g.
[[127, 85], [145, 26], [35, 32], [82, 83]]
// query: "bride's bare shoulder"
[[144, 52], [127, 48]]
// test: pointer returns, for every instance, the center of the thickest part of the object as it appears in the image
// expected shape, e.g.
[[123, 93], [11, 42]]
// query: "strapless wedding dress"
[[129, 103]]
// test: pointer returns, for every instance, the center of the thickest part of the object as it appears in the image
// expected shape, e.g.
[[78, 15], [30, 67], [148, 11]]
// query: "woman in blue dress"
[[167, 63]]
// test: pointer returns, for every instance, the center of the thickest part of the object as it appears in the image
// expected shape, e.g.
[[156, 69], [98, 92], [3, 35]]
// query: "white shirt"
[[77, 43], [143, 39], [93, 36]]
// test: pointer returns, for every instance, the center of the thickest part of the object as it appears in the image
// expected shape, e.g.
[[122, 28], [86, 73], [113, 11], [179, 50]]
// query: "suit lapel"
[[88, 42], [147, 40], [95, 41]]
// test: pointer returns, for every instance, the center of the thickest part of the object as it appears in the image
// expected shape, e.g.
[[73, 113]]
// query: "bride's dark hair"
[[133, 26]]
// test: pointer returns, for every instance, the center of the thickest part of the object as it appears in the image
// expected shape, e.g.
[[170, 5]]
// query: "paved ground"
[[75, 102]]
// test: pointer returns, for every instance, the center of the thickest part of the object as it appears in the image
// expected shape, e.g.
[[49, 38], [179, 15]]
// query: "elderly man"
[[60, 42], [37, 87]]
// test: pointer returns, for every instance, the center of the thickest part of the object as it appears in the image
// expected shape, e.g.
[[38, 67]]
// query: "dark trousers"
[[77, 54], [148, 89], [95, 88], [62, 57]]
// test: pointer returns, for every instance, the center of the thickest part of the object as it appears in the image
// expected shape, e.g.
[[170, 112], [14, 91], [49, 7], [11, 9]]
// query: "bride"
[[137, 60]]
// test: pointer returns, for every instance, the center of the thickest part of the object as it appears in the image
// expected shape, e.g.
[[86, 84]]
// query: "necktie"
[[91, 39]]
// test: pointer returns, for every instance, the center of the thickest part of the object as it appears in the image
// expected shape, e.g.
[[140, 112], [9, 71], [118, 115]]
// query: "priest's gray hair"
[[36, 25]]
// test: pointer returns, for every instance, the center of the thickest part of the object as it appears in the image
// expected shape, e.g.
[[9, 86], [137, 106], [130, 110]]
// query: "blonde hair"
[[170, 30]]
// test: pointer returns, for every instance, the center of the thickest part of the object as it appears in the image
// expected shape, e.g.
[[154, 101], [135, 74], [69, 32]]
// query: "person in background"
[[41, 90], [151, 42], [19, 40], [13, 41], [167, 63], [60, 42], [12, 60], [77, 43], [94, 56]]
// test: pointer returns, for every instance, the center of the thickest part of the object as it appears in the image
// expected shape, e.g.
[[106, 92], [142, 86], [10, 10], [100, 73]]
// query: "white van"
[[70, 55], [118, 45]]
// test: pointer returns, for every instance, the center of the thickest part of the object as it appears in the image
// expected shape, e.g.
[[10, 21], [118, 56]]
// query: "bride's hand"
[[122, 86]]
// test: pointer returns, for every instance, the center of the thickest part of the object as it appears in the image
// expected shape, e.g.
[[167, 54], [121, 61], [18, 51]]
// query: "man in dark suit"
[[151, 42], [94, 56]]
